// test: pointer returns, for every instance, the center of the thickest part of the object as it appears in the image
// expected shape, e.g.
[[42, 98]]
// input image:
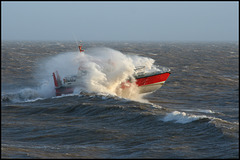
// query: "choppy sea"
[[194, 115]]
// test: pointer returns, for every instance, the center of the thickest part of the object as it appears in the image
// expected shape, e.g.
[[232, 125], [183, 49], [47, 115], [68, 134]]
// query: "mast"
[[80, 48]]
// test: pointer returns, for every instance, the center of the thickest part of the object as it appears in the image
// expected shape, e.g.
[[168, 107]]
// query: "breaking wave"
[[182, 117], [23, 95]]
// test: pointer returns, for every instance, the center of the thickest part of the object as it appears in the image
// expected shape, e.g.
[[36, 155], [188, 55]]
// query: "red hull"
[[64, 90], [146, 84], [152, 79]]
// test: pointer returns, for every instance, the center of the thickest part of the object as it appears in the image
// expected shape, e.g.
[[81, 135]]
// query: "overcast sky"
[[120, 21]]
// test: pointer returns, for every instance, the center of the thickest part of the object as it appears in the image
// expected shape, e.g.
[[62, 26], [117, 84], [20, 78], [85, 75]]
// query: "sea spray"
[[107, 69]]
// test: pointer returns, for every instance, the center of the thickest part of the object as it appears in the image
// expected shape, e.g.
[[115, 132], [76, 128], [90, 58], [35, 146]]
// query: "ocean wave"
[[200, 110], [23, 95], [182, 117], [228, 128]]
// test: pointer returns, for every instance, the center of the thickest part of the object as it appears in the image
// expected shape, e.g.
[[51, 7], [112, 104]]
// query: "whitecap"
[[182, 117]]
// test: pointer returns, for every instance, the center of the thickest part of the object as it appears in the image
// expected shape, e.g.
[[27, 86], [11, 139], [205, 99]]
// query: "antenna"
[[80, 42], [76, 40]]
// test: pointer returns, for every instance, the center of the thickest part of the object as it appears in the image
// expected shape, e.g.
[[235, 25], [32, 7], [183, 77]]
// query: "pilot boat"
[[147, 81]]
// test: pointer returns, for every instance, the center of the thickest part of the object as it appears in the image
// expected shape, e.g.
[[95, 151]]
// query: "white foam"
[[182, 117], [205, 111], [199, 110], [26, 95], [107, 69]]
